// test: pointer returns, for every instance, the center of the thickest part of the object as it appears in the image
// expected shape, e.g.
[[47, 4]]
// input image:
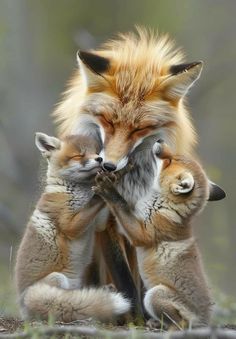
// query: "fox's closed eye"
[[106, 122], [142, 130], [76, 157]]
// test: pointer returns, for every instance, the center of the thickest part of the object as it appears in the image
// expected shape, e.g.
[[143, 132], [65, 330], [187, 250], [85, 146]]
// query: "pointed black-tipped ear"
[[180, 68], [94, 62], [215, 192], [181, 78], [93, 67]]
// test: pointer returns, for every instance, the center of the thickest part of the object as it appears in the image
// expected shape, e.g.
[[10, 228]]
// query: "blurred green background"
[[38, 43]]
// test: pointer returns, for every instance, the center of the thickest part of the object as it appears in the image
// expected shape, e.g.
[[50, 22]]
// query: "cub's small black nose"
[[99, 159], [109, 166]]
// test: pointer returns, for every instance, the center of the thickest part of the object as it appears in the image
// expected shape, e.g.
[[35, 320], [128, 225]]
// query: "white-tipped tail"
[[41, 299]]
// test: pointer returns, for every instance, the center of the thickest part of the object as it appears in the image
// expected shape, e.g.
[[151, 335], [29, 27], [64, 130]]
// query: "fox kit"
[[160, 227], [132, 88], [58, 242]]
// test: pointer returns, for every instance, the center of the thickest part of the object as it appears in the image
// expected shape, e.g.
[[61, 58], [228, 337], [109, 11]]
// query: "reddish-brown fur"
[[59, 238], [136, 96], [168, 256]]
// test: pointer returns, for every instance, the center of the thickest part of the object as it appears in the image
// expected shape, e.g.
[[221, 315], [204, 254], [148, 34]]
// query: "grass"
[[225, 310], [224, 315], [8, 304]]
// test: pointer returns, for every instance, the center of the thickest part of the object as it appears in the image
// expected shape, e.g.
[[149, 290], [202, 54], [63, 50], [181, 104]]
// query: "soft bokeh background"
[[38, 43]]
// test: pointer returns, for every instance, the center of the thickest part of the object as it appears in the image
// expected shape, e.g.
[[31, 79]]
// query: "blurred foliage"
[[38, 43]]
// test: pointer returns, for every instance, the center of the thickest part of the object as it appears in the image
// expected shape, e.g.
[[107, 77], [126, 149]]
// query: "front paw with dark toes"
[[104, 180], [104, 176], [104, 185]]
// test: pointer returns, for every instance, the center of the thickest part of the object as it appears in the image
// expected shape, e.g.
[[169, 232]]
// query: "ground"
[[11, 326], [15, 328]]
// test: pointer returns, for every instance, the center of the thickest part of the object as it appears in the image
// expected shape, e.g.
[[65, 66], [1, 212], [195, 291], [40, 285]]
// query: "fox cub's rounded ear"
[[183, 185], [215, 192], [46, 144]]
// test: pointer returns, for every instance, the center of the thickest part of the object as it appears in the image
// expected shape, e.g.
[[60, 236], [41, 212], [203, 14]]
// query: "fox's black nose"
[[99, 159], [109, 166]]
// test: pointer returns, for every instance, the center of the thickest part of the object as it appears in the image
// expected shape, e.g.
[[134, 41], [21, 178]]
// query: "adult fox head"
[[132, 88]]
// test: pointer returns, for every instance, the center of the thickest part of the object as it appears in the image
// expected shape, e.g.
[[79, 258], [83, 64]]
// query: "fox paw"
[[103, 177], [104, 183], [104, 186]]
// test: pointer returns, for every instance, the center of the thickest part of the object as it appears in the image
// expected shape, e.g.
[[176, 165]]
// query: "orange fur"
[[58, 241], [160, 227], [134, 84], [133, 98]]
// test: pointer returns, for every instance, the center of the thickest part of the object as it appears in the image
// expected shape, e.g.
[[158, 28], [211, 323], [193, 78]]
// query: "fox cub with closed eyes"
[[58, 242], [160, 227]]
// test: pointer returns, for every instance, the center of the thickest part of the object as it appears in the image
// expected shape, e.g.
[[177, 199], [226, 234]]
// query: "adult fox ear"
[[93, 67], [215, 192], [46, 144], [181, 78]]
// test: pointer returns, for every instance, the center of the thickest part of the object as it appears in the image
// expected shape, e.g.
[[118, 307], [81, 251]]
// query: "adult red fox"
[[59, 239], [130, 90], [159, 225]]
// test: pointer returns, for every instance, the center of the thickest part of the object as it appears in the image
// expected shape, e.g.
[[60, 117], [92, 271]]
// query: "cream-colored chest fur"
[[81, 250], [100, 220], [153, 203], [79, 256], [148, 204], [44, 236]]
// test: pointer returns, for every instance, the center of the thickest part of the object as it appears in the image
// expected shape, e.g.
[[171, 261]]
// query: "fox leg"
[[113, 253], [120, 270], [78, 223], [136, 231], [163, 304]]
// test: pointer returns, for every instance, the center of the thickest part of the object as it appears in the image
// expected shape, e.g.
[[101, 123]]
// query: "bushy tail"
[[40, 300]]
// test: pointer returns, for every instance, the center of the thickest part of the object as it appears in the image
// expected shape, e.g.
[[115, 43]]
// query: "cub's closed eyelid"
[[77, 156]]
